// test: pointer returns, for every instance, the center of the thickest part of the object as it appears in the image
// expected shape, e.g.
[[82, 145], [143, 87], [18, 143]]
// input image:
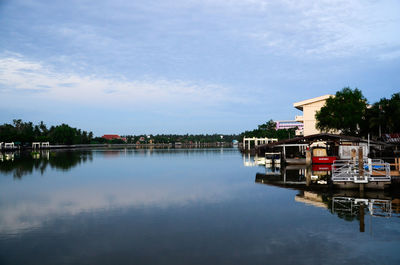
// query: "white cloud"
[[18, 75], [326, 28]]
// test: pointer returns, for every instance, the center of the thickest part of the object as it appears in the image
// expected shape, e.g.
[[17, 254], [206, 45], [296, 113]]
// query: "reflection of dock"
[[311, 198], [376, 207], [357, 207]]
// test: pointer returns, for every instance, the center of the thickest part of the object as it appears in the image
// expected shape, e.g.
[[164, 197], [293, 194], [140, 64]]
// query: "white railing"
[[348, 170]]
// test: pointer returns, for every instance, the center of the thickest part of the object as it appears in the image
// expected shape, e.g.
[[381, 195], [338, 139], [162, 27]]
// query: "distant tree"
[[268, 126], [268, 129], [384, 116], [345, 112], [62, 134]]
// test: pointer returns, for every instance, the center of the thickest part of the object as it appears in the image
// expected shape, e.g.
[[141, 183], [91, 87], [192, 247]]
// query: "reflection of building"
[[311, 198], [309, 108]]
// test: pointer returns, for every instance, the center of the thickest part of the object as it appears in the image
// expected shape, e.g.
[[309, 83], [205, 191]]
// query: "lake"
[[181, 206]]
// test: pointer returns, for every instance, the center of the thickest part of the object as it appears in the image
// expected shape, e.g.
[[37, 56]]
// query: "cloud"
[[19, 75], [327, 28], [321, 29]]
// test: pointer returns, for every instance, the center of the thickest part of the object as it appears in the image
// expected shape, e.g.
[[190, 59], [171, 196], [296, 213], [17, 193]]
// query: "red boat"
[[319, 156]]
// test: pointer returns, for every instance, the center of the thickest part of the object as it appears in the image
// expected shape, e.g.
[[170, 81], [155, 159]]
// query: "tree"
[[384, 115], [270, 125], [345, 112]]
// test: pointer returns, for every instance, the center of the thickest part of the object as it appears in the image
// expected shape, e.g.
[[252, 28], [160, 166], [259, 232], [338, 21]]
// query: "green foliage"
[[268, 129], [345, 112], [26, 132], [384, 114], [349, 113]]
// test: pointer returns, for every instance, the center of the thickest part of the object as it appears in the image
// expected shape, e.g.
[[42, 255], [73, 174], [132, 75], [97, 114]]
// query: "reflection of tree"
[[26, 163]]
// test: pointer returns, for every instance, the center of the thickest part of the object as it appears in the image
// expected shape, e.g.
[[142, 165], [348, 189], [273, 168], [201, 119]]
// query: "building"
[[282, 125], [309, 107], [113, 137]]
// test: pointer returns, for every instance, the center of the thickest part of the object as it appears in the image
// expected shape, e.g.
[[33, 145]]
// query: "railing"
[[348, 170]]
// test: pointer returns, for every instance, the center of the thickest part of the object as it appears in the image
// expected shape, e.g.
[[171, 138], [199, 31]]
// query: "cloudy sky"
[[189, 66]]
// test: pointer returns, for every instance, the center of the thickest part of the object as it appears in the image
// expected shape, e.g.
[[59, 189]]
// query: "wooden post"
[[361, 162]]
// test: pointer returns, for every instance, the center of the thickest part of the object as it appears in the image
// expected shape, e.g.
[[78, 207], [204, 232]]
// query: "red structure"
[[113, 136]]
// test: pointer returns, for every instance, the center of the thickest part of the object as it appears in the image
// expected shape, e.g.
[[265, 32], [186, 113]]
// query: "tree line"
[[27, 132], [349, 113], [268, 129], [181, 138]]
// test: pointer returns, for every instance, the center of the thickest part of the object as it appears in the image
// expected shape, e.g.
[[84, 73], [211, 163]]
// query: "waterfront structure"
[[309, 107], [257, 141], [9, 145]]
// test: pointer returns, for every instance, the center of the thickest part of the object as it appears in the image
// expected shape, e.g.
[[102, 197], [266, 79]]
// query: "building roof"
[[111, 136], [299, 105]]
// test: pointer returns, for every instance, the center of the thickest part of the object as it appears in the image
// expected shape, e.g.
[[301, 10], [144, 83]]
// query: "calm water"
[[199, 206]]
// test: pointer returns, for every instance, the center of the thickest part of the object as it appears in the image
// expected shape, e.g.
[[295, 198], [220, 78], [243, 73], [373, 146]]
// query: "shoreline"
[[82, 146]]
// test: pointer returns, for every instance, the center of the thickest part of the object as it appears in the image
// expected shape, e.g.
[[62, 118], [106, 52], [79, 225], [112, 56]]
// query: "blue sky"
[[189, 66]]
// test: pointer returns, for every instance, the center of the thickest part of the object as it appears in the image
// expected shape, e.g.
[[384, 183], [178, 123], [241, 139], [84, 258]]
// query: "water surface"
[[178, 206]]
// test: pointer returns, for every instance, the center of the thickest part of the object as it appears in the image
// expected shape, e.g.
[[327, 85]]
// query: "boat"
[[320, 156]]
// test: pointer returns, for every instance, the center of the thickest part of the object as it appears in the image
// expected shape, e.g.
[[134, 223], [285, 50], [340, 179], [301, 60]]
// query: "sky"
[[189, 66]]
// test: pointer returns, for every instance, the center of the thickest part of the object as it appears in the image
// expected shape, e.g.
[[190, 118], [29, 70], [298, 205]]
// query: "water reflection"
[[180, 207], [316, 175], [348, 205], [20, 164], [116, 179]]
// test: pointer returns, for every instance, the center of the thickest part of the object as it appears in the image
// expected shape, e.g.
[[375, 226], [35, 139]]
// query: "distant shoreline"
[[161, 145]]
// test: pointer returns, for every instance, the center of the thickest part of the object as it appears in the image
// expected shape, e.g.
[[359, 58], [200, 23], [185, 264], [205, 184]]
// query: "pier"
[[257, 141]]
